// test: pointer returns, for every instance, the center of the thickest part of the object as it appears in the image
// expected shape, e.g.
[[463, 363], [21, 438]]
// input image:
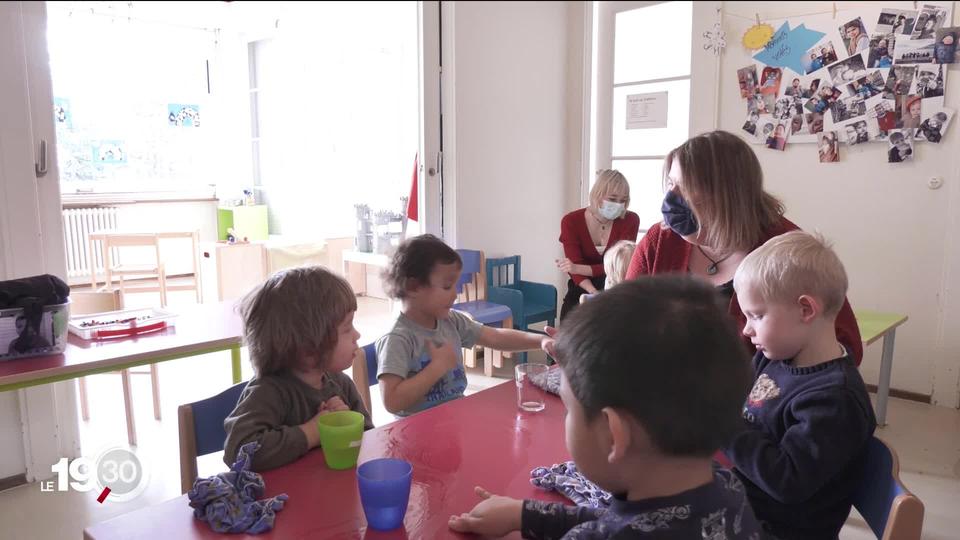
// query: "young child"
[[653, 376], [298, 326], [421, 358], [615, 263], [808, 419]]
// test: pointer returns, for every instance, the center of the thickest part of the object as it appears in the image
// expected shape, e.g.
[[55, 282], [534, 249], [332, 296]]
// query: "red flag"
[[412, 205]]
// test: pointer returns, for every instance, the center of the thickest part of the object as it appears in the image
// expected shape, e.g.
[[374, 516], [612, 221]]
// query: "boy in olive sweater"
[[298, 326]]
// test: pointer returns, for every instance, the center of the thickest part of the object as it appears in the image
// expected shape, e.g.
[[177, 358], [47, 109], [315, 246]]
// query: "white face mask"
[[611, 210]]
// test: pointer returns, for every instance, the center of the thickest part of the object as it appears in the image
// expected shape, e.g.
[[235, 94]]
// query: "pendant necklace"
[[712, 267]]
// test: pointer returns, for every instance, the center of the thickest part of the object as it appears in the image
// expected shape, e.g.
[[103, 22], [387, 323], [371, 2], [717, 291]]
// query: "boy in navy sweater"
[[653, 376], [808, 418]]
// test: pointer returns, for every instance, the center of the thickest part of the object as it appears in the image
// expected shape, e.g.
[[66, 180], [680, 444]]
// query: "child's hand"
[[333, 404], [493, 516], [443, 357], [548, 344]]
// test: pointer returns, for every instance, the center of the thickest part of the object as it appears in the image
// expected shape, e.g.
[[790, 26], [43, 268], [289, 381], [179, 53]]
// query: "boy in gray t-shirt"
[[421, 364]]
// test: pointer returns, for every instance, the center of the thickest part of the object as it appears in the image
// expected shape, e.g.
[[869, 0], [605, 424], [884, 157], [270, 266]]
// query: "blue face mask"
[[678, 215]]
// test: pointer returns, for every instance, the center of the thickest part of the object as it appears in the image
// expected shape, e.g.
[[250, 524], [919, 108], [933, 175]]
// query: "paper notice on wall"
[[647, 111]]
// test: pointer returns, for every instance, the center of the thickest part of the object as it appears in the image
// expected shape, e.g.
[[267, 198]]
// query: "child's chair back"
[[364, 372], [201, 430], [891, 511], [472, 285], [503, 272]]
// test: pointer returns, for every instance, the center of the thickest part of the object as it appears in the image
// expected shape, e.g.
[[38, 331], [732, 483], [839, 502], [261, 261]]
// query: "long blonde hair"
[[723, 184]]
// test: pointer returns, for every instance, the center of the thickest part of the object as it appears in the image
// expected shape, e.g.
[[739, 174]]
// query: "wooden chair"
[[112, 242], [888, 507], [201, 430], [364, 372], [472, 300], [89, 302]]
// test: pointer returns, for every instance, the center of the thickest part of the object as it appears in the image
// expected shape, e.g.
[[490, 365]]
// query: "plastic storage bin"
[[120, 324], [18, 340]]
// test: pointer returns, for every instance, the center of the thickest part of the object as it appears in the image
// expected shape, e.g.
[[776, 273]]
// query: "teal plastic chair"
[[891, 511], [529, 302], [201, 430]]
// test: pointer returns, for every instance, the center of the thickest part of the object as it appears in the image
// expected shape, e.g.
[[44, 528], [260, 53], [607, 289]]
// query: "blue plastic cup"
[[384, 491]]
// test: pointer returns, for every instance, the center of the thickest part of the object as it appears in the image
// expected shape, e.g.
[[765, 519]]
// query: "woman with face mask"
[[588, 232], [715, 212]]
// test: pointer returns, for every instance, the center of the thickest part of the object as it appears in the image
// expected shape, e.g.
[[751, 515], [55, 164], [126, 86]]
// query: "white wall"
[[897, 238], [506, 125]]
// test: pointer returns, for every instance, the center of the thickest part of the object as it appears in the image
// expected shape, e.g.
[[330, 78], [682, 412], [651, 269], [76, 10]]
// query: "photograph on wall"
[[881, 51], [765, 127], [778, 139], [788, 106], [810, 84], [183, 115], [896, 21], [813, 122], [826, 96], [750, 125], [854, 36], [934, 126], [770, 80], [901, 146], [109, 152], [844, 110], [848, 70], [796, 126], [945, 48], [857, 132], [818, 56], [747, 77], [62, 114], [929, 20], [918, 55], [909, 109], [867, 87], [899, 81], [930, 81], [761, 103], [881, 115], [828, 146], [795, 89]]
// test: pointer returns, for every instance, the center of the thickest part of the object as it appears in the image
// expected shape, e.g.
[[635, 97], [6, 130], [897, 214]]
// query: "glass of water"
[[530, 398]]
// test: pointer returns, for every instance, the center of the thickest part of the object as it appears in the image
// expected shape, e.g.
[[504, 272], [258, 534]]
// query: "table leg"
[[883, 389], [235, 360], [128, 407]]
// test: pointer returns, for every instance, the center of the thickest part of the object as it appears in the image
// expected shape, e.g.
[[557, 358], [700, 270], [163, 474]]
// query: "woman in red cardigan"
[[715, 213], [588, 232]]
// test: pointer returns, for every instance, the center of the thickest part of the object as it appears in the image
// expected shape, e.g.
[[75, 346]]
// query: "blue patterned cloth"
[[566, 479], [228, 501]]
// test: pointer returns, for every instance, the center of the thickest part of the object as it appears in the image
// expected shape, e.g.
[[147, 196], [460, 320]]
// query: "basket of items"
[[34, 313]]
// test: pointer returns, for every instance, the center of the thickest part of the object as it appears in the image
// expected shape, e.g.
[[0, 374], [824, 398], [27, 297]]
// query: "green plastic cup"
[[340, 435]]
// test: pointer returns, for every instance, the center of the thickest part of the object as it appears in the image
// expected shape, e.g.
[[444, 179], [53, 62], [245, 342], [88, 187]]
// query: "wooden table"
[[478, 440], [358, 278], [199, 329], [874, 326]]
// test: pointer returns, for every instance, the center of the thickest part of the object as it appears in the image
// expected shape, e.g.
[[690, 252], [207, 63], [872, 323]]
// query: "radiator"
[[78, 223]]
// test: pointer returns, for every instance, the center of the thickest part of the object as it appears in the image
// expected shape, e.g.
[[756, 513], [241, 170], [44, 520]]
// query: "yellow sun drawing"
[[757, 36]]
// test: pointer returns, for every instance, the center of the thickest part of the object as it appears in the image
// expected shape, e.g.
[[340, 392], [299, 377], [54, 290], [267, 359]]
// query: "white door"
[[648, 49], [38, 425], [431, 159]]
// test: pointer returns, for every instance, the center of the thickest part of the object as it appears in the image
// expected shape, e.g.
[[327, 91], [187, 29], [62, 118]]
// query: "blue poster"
[[181, 115], [109, 152]]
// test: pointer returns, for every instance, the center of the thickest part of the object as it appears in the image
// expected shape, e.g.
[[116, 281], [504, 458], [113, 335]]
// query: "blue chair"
[[473, 284], [891, 511], [529, 302], [201, 430], [364, 372]]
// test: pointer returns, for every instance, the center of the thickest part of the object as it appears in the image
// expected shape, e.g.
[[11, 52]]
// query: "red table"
[[478, 440]]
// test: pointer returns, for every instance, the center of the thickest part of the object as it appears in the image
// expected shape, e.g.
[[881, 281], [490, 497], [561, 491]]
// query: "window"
[[131, 100], [642, 48]]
